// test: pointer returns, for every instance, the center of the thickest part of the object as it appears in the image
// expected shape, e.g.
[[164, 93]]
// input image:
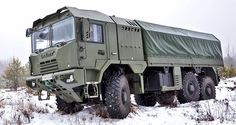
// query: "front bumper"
[[68, 85], [30, 81]]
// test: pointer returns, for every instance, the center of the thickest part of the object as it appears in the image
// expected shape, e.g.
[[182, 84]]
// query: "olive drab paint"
[[74, 66]]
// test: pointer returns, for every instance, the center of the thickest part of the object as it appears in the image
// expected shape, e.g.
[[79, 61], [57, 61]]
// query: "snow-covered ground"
[[21, 107]]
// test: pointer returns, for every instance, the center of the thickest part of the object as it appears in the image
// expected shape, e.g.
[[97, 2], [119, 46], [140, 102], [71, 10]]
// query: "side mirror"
[[85, 29], [29, 32]]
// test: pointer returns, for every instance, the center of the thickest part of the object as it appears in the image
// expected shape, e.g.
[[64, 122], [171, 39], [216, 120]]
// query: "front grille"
[[48, 66]]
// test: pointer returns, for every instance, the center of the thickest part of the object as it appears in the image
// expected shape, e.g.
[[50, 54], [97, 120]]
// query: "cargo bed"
[[167, 46]]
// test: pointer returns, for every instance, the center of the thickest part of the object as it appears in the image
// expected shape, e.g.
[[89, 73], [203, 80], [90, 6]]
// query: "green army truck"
[[84, 56]]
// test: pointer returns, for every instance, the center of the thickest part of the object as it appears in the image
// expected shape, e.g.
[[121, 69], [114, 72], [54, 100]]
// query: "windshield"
[[62, 31], [41, 39]]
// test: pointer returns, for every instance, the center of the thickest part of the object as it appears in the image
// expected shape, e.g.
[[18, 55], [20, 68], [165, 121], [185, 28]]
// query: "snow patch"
[[19, 106]]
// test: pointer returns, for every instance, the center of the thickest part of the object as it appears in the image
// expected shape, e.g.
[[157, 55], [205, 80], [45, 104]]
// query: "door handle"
[[113, 53], [101, 52]]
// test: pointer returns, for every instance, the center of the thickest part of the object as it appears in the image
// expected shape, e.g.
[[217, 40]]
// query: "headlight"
[[33, 84], [70, 79]]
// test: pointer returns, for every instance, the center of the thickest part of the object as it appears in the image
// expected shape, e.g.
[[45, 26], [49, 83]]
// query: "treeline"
[[14, 74], [230, 61], [229, 69], [3, 65]]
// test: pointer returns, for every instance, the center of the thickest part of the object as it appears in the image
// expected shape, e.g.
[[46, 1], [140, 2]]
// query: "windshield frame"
[[33, 43], [70, 21]]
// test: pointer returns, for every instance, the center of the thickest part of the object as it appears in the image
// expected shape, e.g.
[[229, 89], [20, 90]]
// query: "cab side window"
[[96, 33]]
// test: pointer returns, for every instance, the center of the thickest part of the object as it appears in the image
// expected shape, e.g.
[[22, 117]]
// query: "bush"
[[227, 72]]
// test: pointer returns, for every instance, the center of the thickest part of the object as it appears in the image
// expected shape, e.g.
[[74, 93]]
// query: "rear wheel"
[[166, 98], [117, 96], [207, 88], [68, 108], [190, 89], [147, 99]]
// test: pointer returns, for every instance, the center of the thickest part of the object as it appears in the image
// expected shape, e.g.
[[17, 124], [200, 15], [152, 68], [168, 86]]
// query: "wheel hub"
[[208, 90], [124, 96], [191, 88]]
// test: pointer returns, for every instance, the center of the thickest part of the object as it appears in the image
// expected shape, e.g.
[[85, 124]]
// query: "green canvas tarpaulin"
[[163, 41]]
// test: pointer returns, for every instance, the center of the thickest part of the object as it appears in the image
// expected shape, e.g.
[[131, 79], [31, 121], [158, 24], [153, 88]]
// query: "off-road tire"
[[104, 82], [166, 98], [207, 88], [190, 89], [68, 108], [117, 96], [103, 89], [147, 99]]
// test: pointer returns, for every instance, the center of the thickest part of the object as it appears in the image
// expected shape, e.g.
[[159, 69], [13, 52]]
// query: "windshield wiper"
[[59, 44], [39, 50]]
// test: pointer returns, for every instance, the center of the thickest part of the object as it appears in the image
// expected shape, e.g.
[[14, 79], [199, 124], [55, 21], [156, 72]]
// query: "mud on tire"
[[117, 96]]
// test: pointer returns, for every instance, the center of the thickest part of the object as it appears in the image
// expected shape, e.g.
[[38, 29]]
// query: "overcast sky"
[[217, 17]]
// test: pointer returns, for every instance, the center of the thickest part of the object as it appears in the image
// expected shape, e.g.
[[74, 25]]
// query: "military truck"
[[85, 56]]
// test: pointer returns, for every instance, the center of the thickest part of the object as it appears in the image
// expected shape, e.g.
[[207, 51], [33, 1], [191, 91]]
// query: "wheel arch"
[[132, 70], [129, 67], [211, 72]]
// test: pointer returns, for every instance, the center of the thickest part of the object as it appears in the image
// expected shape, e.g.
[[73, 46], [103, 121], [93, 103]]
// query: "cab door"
[[93, 48], [111, 36]]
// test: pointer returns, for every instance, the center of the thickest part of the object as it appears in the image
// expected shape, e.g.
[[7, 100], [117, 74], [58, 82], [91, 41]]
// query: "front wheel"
[[117, 96]]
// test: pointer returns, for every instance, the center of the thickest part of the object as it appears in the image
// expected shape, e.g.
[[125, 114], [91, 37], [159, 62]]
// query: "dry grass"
[[2, 103], [101, 111], [22, 112], [220, 109]]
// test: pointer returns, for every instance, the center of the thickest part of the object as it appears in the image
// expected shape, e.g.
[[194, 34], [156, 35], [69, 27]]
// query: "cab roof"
[[81, 13], [96, 15]]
